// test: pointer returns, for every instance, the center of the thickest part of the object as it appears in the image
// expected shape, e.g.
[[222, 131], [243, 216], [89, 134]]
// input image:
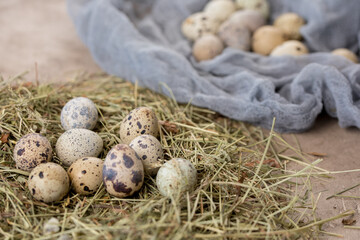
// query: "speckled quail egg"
[[48, 182], [123, 171], [77, 143], [266, 38], [150, 151], [86, 175], [346, 53], [250, 19], [220, 9], [235, 35], [79, 112], [198, 24], [176, 176], [140, 121], [257, 5], [291, 48], [31, 150], [290, 24], [207, 47]]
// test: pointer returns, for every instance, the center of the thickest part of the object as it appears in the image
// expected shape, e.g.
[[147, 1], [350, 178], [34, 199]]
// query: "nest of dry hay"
[[245, 188]]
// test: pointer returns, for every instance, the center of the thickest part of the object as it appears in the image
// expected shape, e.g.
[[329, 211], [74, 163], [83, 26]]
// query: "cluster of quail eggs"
[[124, 168], [241, 24]]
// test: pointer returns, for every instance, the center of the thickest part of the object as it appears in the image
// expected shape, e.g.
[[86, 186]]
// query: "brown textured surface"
[[40, 31]]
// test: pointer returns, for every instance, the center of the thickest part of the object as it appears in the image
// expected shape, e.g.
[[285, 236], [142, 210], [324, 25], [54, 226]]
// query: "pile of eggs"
[[241, 24], [124, 168]]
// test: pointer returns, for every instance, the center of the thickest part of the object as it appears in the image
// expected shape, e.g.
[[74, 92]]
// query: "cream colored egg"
[[78, 143], [199, 24], [290, 24], [31, 150], [123, 171], [346, 53], [207, 47], [79, 112], [249, 19], [235, 35], [86, 175], [150, 151], [140, 121], [290, 48], [175, 177], [266, 39], [48, 182], [257, 5], [220, 9]]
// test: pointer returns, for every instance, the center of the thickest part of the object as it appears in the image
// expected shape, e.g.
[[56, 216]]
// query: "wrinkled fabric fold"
[[142, 41]]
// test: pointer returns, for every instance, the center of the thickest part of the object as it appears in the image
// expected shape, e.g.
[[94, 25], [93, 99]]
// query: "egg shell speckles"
[[86, 175], [78, 143], [79, 113], [123, 171], [48, 182], [140, 121], [198, 24], [31, 150], [150, 151], [258, 5], [176, 176]]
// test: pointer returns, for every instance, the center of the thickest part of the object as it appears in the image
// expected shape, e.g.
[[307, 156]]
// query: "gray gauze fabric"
[[141, 40]]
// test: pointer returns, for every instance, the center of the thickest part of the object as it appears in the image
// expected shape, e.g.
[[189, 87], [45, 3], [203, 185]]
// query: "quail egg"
[[290, 24], [346, 53], [31, 150], [207, 47], [150, 151], [220, 9], [266, 38], [77, 143], [123, 171], [175, 177], [235, 35], [249, 19], [199, 24], [139, 121], [79, 112], [86, 175], [257, 5], [48, 182], [291, 48]]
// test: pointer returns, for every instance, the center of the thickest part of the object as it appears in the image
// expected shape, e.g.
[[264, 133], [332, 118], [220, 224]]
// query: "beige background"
[[40, 31]]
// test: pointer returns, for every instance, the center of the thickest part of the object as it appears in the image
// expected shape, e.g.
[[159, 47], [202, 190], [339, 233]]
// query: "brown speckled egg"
[[140, 121], [199, 24], [86, 175], [207, 47], [176, 176], [150, 151], [290, 48], [290, 24], [123, 171], [78, 143], [266, 38], [31, 150], [346, 53], [48, 182]]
